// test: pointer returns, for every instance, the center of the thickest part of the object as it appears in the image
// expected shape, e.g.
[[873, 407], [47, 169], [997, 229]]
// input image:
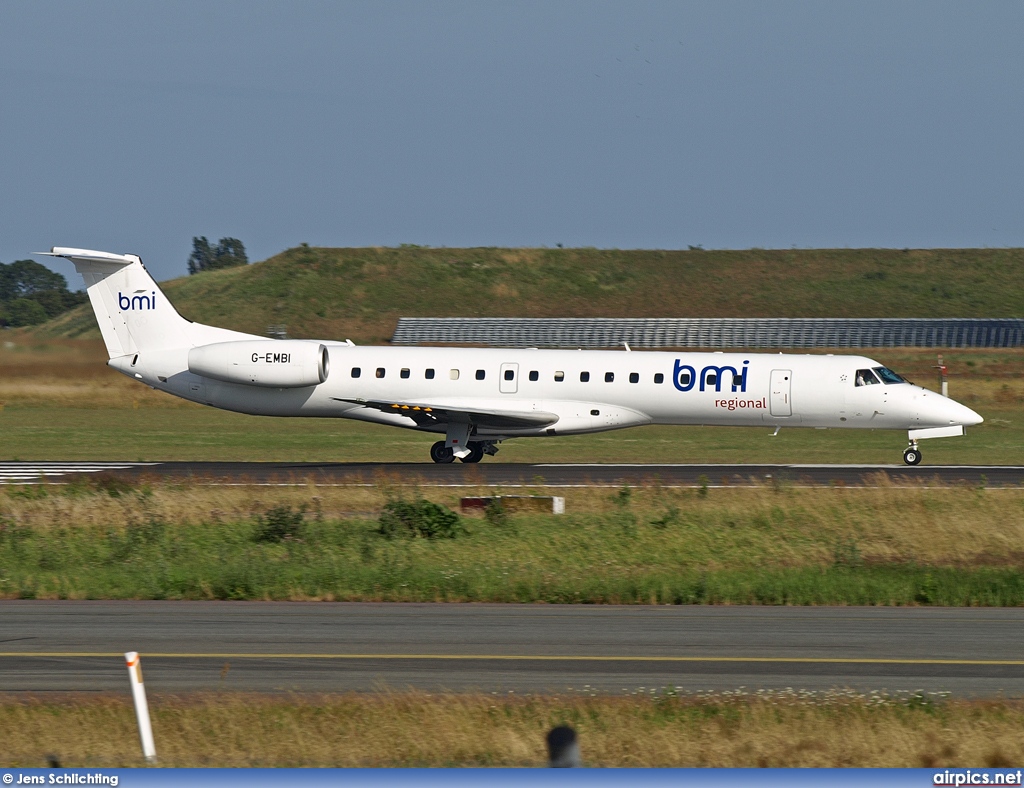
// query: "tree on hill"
[[227, 253], [25, 312], [31, 293]]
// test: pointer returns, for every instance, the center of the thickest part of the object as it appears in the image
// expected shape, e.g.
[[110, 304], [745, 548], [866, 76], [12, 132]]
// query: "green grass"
[[359, 293], [773, 546], [193, 433]]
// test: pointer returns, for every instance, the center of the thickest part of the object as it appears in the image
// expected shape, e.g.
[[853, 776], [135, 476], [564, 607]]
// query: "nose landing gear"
[[912, 455]]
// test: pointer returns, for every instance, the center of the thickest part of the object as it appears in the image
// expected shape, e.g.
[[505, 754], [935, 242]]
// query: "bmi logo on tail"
[[125, 303]]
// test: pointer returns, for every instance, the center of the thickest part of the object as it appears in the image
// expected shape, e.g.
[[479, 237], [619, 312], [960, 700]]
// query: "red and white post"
[[943, 382], [141, 706]]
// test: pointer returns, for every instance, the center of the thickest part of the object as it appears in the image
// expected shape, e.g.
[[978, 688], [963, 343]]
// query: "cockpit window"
[[888, 376], [865, 377]]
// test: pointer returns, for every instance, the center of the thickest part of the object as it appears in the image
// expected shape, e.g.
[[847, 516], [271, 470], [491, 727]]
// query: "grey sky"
[[132, 126]]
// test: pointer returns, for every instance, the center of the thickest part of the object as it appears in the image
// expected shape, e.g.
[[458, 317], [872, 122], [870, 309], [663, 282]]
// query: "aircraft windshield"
[[888, 376], [865, 377]]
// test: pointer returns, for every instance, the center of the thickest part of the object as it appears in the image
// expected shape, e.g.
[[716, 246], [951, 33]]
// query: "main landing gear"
[[440, 453], [912, 456]]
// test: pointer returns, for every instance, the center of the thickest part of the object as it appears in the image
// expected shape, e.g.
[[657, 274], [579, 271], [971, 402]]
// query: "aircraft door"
[[508, 381], [779, 403]]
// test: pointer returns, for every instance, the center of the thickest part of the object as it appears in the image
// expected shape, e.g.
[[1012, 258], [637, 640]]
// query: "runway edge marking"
[[523, 658]]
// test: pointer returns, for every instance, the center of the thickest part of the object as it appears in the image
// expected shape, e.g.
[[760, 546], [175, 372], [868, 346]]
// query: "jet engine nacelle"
[[273, 363]]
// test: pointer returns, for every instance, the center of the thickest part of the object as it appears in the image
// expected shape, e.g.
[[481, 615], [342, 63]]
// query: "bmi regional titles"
[[478, 397]]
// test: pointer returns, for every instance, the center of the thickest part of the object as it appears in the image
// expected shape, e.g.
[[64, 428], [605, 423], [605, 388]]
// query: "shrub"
[[496, 513], [418, 518], [279, 524]]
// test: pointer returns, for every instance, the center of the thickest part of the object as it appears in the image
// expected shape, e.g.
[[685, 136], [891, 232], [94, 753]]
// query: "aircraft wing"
[[427, 414]]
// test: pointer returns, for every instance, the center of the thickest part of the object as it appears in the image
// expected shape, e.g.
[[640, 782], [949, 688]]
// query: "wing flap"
[[427, 414]]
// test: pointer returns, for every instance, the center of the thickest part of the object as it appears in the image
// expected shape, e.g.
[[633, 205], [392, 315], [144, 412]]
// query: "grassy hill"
[[360, 293]]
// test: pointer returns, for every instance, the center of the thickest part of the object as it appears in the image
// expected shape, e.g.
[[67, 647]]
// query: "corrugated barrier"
[[700, 332]]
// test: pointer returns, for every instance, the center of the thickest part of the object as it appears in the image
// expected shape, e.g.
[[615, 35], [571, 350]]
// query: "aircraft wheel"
[[441, 454], [912, 456], [476, 452]]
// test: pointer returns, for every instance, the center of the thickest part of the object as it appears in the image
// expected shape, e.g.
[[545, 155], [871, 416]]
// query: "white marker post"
[[141, 707]]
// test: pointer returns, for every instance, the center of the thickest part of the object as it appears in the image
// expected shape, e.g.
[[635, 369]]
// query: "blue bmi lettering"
[[685, 377], [136, 302]]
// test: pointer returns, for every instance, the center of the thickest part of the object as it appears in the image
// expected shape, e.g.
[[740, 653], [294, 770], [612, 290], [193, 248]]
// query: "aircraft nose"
[[969, 417], [950, 412]]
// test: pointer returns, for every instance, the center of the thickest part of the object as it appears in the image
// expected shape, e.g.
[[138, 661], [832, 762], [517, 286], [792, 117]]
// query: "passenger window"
[[429, 374], [356, 372], [453, 374], [659, 378], [595, 413], [584, 377], [865, 377], [534, 375], [380, 372], [559, 377], [609, 377], [480, 374], [634, 377], [888, 376], [510, 374], [404, 373]]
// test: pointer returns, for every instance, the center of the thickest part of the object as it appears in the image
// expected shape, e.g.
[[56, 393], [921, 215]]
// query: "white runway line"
[[33, 473]]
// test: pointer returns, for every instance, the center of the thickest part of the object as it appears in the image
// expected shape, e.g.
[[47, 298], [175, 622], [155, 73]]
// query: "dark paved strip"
[[75, 646], [512, 474]]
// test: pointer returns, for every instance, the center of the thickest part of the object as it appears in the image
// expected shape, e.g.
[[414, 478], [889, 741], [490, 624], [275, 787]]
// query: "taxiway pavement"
[[69, 646]]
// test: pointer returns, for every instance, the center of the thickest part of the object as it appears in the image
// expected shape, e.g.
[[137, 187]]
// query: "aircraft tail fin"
[[132, 312]]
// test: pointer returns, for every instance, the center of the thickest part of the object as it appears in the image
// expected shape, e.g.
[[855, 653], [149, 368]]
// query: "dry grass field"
[[646, 728]]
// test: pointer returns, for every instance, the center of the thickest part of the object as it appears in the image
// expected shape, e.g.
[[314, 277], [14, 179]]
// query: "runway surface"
[[51, 646], [512, 475]]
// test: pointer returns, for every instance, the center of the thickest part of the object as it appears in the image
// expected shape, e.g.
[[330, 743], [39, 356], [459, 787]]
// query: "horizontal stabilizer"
[[89, 255]]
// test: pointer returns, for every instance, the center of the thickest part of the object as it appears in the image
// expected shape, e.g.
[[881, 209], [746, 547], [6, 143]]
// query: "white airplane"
[[477, 398]]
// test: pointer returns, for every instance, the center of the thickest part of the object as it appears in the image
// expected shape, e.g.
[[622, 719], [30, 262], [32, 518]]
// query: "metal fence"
[[699, 332]]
